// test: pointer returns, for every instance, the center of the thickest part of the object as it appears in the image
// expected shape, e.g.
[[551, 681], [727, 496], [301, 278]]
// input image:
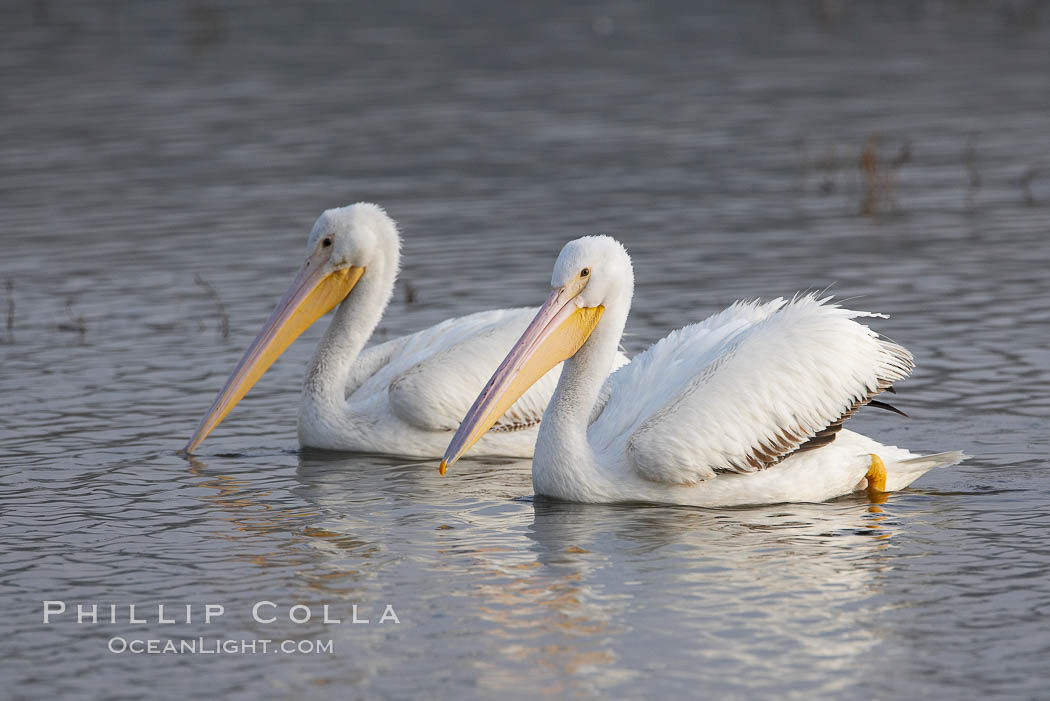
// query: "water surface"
[[164, 162]]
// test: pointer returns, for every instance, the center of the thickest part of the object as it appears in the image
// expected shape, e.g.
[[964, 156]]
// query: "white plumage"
[[751, 382], [743, 408], [404, 396]]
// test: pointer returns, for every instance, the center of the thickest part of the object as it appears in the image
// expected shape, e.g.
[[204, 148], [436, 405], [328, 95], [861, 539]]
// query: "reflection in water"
[[800, 574], [592, 583], [251, 513]]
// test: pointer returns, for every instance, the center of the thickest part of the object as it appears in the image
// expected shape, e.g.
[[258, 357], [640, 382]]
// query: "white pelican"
[[728, 411], [404, 396]]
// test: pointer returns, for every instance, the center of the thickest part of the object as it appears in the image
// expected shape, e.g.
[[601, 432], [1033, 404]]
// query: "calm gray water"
[[151, 150]]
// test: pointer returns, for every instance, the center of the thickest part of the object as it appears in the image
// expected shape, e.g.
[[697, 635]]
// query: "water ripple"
[[720, 145]]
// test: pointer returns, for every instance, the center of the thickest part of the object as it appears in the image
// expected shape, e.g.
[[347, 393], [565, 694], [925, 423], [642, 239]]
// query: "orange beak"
[[559, 329], [311, 295]]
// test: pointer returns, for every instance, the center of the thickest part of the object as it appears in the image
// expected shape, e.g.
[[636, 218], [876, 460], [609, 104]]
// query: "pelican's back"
[[743, 389]]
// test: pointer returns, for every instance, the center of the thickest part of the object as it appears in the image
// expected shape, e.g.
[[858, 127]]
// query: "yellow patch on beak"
[[541, 347], [312, 295]]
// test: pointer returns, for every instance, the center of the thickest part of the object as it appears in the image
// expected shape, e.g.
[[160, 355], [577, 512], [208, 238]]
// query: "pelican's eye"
[[326, 243], [585, 272]]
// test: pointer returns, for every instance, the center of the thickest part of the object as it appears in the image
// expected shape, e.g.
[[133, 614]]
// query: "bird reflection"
[[562, 587], [258, 517]]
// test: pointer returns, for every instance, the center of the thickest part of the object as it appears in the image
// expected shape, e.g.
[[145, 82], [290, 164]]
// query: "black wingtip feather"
[[888, 407]]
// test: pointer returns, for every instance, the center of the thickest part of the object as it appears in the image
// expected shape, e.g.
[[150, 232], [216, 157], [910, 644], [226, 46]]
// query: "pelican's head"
[[355, 236], [342, 245], [597, 267], [590, 273]]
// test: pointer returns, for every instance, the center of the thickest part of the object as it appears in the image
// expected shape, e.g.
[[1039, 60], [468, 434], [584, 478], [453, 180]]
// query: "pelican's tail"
[[903, 472]]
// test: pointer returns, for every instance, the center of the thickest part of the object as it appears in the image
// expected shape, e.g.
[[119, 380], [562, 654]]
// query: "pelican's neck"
[[352, 325], [563, 456]]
